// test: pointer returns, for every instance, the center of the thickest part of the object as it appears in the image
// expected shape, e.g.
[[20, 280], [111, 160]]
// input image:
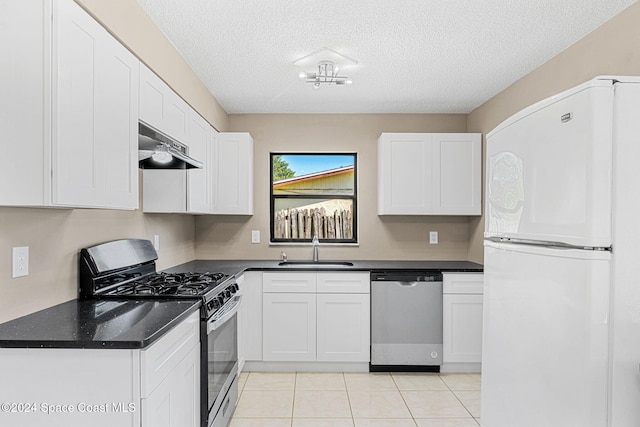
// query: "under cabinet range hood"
[[159, 151]]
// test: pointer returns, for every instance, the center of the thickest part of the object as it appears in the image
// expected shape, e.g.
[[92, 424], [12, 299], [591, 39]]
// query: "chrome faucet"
[[316, 246]]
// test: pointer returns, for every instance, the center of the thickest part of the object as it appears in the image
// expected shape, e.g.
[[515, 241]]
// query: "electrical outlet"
[[20, 261], [433, 237], [255, 236], [156, 242]]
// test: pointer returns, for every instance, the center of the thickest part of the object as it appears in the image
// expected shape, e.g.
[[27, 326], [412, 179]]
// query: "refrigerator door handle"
[[545, 244]]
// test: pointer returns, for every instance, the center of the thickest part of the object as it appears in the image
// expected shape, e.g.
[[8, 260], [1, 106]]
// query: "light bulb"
[[349, 81], [302, 75], [161, 157]]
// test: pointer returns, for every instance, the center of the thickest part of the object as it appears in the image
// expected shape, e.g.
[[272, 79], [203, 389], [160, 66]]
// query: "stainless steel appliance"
[[406, 320], [159, 151], [127, 269]]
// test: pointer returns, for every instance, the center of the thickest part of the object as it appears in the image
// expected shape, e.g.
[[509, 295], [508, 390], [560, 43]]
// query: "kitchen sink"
[[318, 263]]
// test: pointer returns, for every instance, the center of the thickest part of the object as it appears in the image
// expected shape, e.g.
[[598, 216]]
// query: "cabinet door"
[[404, 173], [95, 115], [289, 327], [462, 326], [161, 107], [457, 165], [78, 172], [232, 162], [117, 123], [152, 98], [198, 182], [343, 327], [176, 401], [250, 317], [24, 102]]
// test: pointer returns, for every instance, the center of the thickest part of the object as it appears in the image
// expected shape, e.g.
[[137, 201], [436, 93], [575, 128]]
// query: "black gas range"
[[127, 269]]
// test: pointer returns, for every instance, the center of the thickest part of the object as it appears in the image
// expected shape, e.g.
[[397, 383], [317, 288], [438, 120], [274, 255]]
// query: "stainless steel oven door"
[[220, 363]]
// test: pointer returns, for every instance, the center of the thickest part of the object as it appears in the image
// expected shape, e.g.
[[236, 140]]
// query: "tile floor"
[[357, 400]]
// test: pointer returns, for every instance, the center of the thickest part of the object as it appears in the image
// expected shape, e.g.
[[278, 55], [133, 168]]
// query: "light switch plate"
[[156, 242], [433, 237], [255, 236], [20, 261]]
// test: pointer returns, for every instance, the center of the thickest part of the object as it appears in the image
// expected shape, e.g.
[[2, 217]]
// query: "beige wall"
[[379, 237], [612, 49]]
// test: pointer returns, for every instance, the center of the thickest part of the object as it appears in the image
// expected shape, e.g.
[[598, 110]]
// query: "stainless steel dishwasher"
[[406, 320]]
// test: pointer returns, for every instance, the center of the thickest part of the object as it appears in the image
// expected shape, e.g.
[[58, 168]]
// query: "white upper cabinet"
[[71, 123], [429, 174], [199, 180], [162, 108], [223, 186], [95, 142], [232, 173]]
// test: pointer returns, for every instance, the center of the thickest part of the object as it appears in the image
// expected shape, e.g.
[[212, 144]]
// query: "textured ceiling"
[[413, 56]]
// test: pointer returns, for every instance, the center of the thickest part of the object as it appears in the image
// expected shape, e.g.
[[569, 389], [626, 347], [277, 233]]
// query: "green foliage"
[[281, 169]]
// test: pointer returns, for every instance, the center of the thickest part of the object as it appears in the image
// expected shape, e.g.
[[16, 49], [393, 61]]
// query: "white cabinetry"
[[69, 110], [157, 386], [289, 326], [180, 190], [289, 316], [343, 327], [161, 108], [232, 173], [429, 174], [223, 186], [250, 317], [462, 321], [316, 316], [170, 379]]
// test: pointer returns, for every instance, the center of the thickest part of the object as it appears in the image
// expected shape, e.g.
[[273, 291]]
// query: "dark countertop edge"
[[105, 345], [237, 267]]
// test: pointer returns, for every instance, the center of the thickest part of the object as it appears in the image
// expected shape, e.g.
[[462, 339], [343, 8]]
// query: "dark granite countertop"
[[235, 267], [108, 324]]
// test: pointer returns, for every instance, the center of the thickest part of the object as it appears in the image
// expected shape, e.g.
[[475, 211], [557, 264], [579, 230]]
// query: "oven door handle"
[[225, 313]]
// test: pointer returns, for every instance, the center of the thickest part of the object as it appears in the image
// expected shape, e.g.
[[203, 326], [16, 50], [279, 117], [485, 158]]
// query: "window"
[[313, 194]]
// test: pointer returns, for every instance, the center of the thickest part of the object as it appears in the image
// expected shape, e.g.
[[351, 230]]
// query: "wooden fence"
[[306, 223]]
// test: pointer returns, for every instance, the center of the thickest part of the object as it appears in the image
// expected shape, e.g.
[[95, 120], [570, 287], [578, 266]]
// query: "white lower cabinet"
[[289, 328], [316, 317], [250, 318], [462, 321], [176, 401], [155, 386], [343, 327]]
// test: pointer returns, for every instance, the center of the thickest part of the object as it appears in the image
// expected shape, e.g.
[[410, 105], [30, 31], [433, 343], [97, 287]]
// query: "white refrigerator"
[[561, 330]]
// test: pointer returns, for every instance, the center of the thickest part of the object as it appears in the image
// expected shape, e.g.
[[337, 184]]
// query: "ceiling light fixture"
[[327, 75]]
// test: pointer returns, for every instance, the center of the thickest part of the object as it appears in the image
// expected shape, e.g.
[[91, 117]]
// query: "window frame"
[[354, 199]]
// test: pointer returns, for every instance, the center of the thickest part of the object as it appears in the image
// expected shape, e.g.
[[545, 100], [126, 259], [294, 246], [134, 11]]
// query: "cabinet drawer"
[[163, 356], [462, 283], [289, 282], [347, 283]]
